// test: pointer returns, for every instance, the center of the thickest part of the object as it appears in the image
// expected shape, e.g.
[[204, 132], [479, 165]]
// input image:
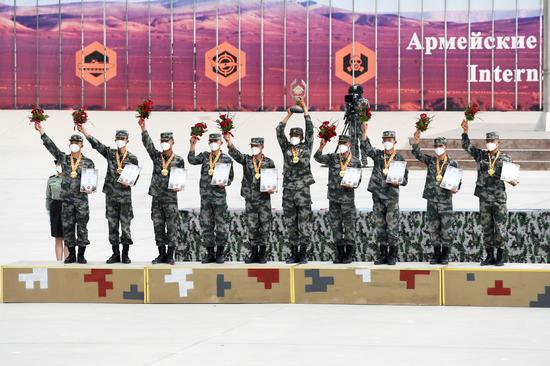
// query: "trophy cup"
[[297, 91]]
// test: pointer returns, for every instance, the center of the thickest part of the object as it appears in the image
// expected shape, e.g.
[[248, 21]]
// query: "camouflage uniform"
[[297, 179], [75, 209], [341, 200], [385, 197], [258, 204], [440, 200], [164, 206], [492, 194], [214, 215], [118, 198]]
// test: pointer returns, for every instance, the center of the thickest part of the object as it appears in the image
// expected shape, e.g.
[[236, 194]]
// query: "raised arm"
[[476, 153], [49, 144], [102, 149], [233, 151], [366, 147], [281, 138], [319, 157], [146, 139], [191, 157], [309, 126]]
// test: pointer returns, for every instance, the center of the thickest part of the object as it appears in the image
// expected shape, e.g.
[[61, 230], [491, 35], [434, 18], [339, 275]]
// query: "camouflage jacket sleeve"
[[283, 141], [320, 158], [476, 153], [102, 149], [309, 132], [236, 155], [52, 147], [269, 164], [418, 154], [149, 145], [366, 148], [133, 159], [195, 159]]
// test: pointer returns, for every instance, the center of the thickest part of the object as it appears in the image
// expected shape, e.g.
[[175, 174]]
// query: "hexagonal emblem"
[[225, 65], [95, 70], [363, 63]]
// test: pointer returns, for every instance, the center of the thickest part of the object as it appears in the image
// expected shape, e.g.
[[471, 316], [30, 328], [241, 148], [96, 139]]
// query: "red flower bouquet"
[[37, 115], [225, 123], [198, 129], [144, 109], [470, 112], [423, 122], [365, 112], [80, 116], [327, 131]]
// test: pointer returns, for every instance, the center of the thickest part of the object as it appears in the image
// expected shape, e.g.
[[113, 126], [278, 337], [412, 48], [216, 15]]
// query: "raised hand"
[[141, 123], [417, 137], [39, 128], [465, 126]]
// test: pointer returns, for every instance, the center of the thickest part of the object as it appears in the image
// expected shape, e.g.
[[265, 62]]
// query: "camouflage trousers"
[[119, 214], [440, 222], [258, 220], [493, 217], [166, 222], [76, 214], [214, 220], [342, 221], [386, 217], [298, 215]]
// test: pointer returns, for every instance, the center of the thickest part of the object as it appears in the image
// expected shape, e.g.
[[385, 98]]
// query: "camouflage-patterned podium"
[[514, 284], [364, 283], [56, 282], [193, 282]]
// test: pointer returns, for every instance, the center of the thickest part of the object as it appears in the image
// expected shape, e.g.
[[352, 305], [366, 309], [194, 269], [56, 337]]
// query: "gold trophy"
[[298, 90]]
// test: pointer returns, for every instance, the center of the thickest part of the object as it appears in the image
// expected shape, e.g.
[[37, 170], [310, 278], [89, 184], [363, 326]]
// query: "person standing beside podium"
[[54, 206]]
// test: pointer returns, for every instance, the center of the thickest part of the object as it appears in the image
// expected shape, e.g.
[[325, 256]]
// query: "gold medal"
[[295, 153], [119, 171], [491, 172], [439, 178], [344, 165], [212, 162], [385, 171], [210, 171], [492, 163], [119, 162], [257, 166], [257, 175], [74, 175], [75, 165], [166, 164], [342, 173], [295, 160], [164, 172]]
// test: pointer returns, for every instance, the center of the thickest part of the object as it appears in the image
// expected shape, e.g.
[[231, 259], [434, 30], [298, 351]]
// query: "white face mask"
[[342, 149], [255, 150], [120, 143], [388, 145], [74, 148], [59, 169], [214, 146], [439, 150], [491, 146], [165, 146], [295, 140]]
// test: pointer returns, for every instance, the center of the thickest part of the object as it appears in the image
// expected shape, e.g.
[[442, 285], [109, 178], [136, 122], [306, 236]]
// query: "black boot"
[[339, 255], [392, 255], [219, 254], [383, 255], [445, 255], [210, 257], [302, 254], [125, 249], [71, 258], [436, 257], [80, 258], [293, 258], [490, 259], [170, 256], [498, 259], [253, 256], [261, 255], [348, 256], [115, 258], [162, 255]]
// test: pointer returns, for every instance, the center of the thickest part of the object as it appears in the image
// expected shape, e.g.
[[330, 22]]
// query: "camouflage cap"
[[296, 131], [121, 134], [344, 138], [493, 135], [257, 141], [388, 134], [77, 138], [165, 136], [214, 137], [438, 141]]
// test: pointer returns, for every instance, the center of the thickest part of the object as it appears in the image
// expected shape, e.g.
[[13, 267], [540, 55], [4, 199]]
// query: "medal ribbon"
[[344, 166], [213, 163], [74, 165], [257, 166], [387, 162], [166, 164], [493, 162], [119, 162], [440, 168]]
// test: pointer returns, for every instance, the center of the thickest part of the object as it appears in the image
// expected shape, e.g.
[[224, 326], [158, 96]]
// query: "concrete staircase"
[[531, 154]]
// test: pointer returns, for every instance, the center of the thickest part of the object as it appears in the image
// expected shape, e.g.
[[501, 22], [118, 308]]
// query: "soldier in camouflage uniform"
[[440, 219], [492, 194], [214, 214], [118, 196], [75, 207], [297, 179], [341, 197], [258, 204], [385, 196], [164, 206]]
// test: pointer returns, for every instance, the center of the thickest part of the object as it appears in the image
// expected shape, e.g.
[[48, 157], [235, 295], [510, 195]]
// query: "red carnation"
[[423, 122], [198, 129], [37, 115], [225, 123], [471, 111], [144, 109], [327, 131]]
